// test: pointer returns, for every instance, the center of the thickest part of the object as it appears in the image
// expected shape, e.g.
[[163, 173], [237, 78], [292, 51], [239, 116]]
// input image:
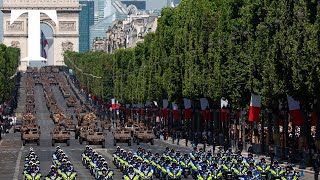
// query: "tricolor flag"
[[224, 111], [255, 107], [187, 108], [204, 103], [294, 110], [115, 104], [165, 110], [45, 46], [165, 103], [175, 111]]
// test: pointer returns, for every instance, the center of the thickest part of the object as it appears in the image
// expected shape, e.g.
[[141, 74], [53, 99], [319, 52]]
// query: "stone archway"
[[48, 33], [65, 32]]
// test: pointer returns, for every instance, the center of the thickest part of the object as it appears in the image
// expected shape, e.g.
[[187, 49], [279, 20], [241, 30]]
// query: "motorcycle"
[[33, 176], [204, 176], [146, 174], [69, 175], [240, 172], [109, 175], [194, 169], [264, 171], [216, 174], [174, 174], [185, 167], [131, 177], [228, 171], [85, 160], [53, 178], [277, 173]]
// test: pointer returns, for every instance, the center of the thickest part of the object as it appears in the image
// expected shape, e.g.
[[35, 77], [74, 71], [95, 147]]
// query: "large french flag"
[[224, 112], [255, 108], [114, 104], [45, 46], [187, 108], [165, 110], [294, 110], [175, 111], [204, 103]]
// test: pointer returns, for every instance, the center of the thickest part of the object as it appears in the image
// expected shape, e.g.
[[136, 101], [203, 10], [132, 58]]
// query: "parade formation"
[[131, 161]]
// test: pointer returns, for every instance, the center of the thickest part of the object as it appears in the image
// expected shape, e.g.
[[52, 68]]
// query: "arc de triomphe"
[[65, 32]]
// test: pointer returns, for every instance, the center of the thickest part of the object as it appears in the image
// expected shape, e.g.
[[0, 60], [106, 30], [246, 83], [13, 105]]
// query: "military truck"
[[121, 135], [71, 101], [96, 137], [84, 131], [31, 135], [60, 135], [106, 125], [144, 135]]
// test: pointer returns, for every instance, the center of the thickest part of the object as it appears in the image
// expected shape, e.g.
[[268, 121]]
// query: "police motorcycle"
[[156, 164], [116, 156], [240, 170], [32, 173], [145, 171], [228, 170], [86, 156], [105, 174], [290, 174], [263, 169], [195, 167], [204, 173], [67, 172], [31, 167], [173, 172], [185, 164], [53, 174], [131, 174], [216, 174]]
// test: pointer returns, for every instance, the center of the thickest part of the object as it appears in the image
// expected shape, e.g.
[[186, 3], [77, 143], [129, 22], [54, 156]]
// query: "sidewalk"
[[182, 143]]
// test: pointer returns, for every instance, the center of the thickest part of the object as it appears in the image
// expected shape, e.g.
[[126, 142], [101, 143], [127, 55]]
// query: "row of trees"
[[9, 59], [214, 49]]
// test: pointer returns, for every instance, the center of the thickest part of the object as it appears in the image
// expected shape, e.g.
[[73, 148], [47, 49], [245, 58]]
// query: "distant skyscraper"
[[1, 23], [86, 19], [98, 10]]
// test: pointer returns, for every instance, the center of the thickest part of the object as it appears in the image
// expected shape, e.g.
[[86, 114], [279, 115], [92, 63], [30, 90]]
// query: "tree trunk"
[[317, 110], [275, 118]]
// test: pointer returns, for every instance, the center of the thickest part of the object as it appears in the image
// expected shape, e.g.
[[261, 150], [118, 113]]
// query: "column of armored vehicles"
[[30, 131]]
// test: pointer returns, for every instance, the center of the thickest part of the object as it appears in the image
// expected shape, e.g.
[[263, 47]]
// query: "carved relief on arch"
[[15, 44], [50, 23]]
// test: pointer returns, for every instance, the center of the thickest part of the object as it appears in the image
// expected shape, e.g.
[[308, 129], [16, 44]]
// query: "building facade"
[[86, 19], [127, 33], [1, 23], [98, 10]]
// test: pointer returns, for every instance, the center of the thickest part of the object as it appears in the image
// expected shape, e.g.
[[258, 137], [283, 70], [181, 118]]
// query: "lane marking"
[[16, 171]]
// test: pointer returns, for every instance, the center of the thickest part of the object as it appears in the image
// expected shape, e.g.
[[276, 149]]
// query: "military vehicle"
[[96, 137], [121, 135], [60, 135], [31, 135], [144, 135]]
